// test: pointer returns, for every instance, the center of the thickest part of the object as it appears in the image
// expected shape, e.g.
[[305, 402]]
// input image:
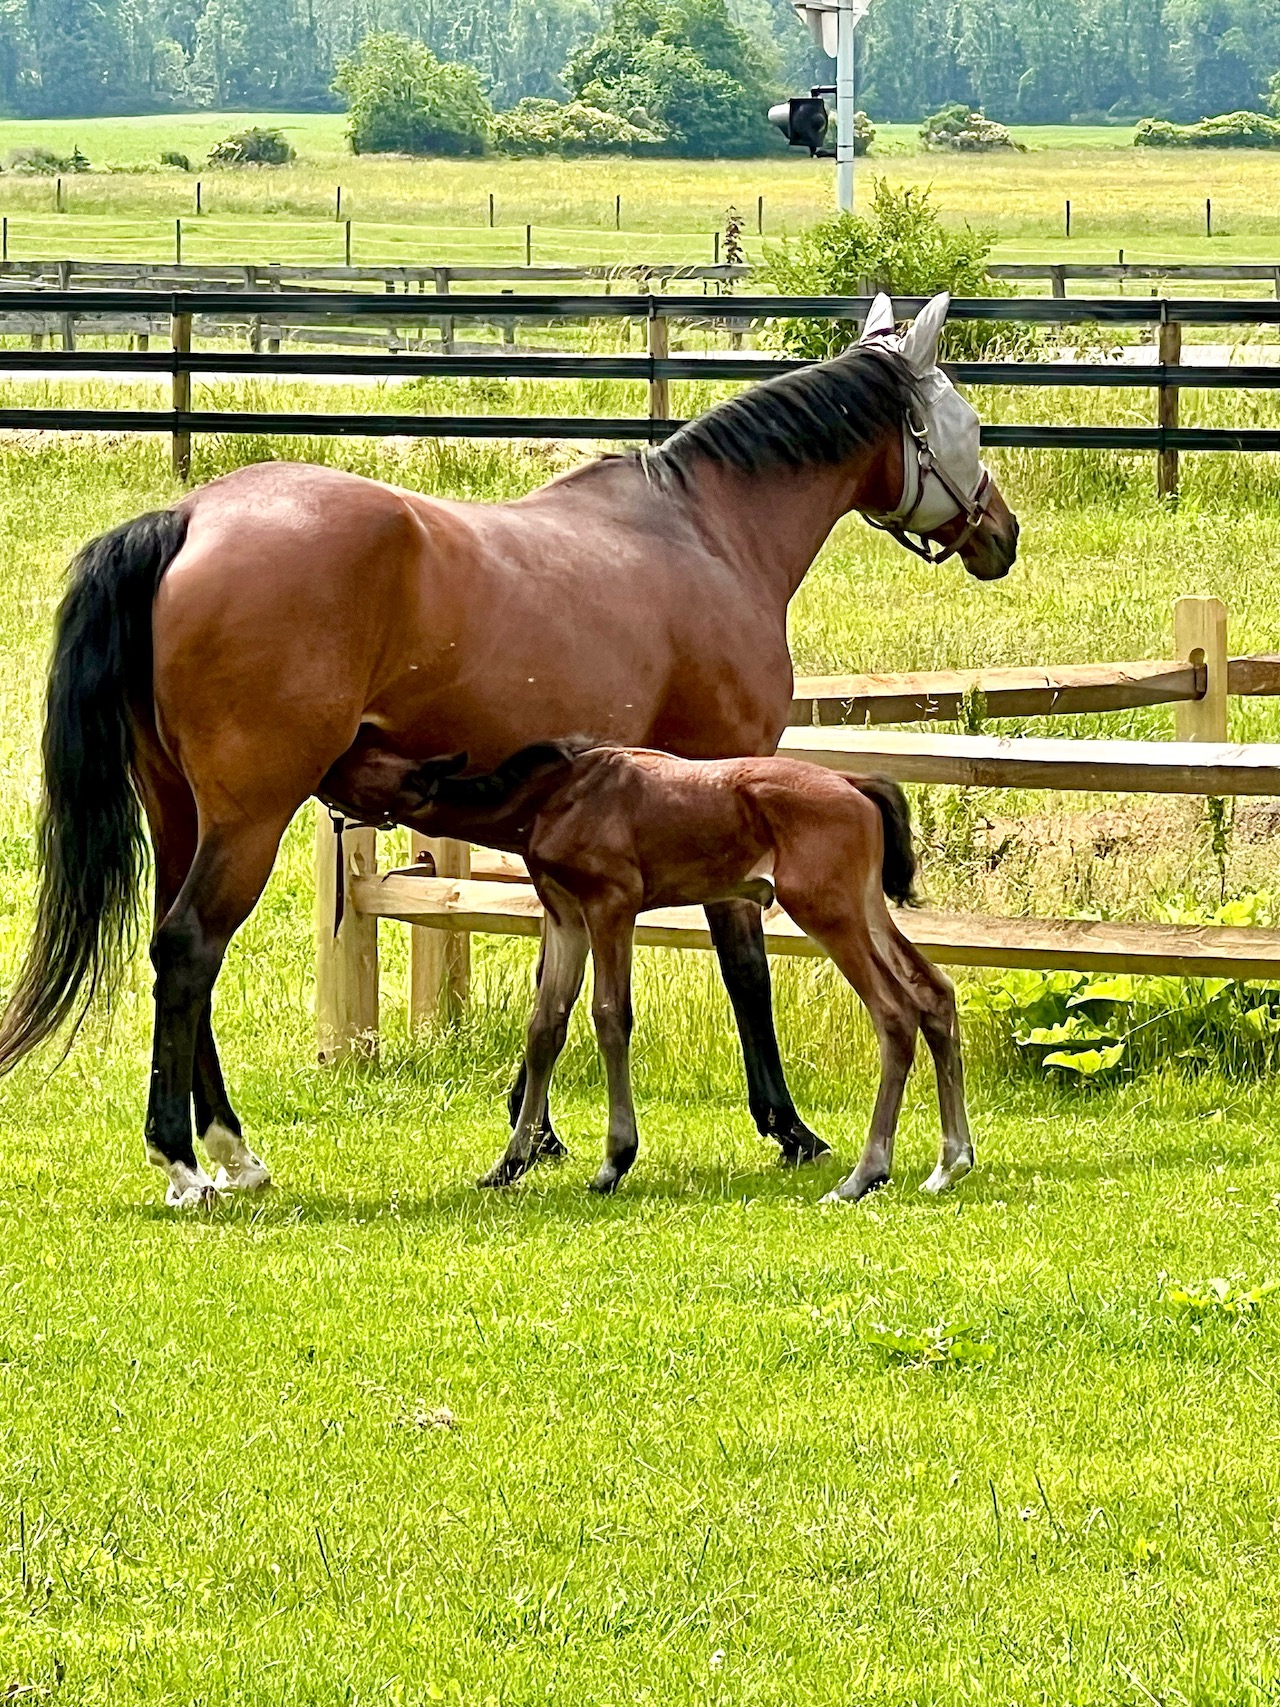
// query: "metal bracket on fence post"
[[1167, 403]]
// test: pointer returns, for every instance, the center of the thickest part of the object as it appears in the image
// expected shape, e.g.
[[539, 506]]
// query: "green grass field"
[[379, 1438], [1149, 203]]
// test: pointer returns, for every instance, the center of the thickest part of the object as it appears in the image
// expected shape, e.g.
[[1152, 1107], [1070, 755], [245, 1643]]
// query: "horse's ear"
[[920, 342], [879, 321]]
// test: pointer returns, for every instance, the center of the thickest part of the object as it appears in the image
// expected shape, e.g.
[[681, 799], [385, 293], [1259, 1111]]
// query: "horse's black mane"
[[818, 415]]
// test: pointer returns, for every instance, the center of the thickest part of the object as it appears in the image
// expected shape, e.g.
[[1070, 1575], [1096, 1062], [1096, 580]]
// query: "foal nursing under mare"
[[281, 631], [608, 832]]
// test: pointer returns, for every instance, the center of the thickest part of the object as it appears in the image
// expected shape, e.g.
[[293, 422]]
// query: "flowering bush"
[[955, 127]]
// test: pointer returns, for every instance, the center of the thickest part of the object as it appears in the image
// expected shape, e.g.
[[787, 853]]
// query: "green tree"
[[403, 100], [683, 68]]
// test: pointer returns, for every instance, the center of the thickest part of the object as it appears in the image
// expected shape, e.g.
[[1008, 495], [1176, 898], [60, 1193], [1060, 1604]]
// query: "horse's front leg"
[[737, 931], [547, 1146]]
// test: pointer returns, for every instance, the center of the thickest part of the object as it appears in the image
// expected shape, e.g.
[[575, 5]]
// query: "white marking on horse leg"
[[189, 1188], [238, 1168]]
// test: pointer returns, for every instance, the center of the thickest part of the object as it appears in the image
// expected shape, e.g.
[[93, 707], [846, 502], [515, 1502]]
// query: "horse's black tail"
[[89, 839], [899, 844]]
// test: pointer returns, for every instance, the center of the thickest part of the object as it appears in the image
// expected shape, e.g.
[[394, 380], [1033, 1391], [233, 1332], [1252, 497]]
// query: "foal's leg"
[[228, 873], [827, 912], [564, 960], [547, 1146], [941, 1027], [612, 934], [737, 932]]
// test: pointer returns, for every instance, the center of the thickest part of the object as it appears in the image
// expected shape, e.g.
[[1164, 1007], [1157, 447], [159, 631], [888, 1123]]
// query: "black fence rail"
[[657, 367]]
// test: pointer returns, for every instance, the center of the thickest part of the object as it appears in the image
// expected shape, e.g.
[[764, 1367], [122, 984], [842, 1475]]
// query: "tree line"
[[1021, 61]]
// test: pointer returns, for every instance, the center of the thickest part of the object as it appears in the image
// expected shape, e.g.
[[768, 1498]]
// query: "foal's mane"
[[818, 415]]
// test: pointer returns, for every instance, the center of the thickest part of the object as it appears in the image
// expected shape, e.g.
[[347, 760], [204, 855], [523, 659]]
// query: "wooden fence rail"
[[339, 311], [456, 891]]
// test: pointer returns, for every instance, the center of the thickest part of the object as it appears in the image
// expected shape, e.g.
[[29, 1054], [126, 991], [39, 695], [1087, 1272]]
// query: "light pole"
[[831, 23]]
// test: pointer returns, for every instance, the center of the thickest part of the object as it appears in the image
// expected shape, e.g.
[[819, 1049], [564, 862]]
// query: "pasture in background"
[[1149, 202]]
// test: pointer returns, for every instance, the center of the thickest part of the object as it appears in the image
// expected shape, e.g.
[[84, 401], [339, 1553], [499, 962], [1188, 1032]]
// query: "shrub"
[[682, 68], [1081, 1026], [171, 158], [541, 126], [955, 127], [864, 133], [902, 247], [1227, 130], [403, 100], [252, 147], [39, 162]]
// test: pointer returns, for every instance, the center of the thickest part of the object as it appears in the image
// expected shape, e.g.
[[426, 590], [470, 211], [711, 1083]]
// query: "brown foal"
[[610, 831]]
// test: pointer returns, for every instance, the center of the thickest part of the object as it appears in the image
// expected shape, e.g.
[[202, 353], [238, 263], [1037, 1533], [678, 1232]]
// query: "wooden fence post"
[[439, 961], [346, 959], [1200, 636], [446, 324], [659, 389], [1170, 353], [68, 320], [180, 339]]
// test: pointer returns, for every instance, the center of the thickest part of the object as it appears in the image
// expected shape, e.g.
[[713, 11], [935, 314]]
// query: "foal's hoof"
[[547, 1147], [856, 1187], [606, 1181], [942, 1179], [503, 1173]]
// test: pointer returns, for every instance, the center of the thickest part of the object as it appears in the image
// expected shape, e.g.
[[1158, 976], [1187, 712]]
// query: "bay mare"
[[274, 632], [608, 832]]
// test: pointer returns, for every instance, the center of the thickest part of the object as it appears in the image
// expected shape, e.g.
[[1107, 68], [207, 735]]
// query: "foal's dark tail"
[[89, 837], [899, 844]]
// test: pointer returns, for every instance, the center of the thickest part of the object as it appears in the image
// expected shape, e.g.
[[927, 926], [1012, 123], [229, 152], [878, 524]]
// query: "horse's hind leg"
[[564, 960], [217, 1123], [228, 872], [171, 811], [612, 934]]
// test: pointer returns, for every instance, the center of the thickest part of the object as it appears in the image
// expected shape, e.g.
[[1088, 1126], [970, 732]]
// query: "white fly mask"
[[943, 472]]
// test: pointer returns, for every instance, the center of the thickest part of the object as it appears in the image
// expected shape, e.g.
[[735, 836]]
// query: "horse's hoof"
[[191, 1196], [248, 1179], [239, 1169], [606, 1181], [799, 1149]]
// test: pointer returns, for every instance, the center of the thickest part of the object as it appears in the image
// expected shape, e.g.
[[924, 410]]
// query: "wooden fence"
[[198, 310], [451, 890]]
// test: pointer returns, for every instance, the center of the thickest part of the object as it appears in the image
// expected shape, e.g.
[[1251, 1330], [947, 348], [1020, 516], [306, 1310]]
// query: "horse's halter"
[[919, 466], [932, 493]]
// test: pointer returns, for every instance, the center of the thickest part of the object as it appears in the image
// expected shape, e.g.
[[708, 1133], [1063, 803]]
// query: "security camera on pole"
[[802, 120]]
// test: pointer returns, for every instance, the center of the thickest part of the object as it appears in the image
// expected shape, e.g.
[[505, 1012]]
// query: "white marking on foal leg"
[[189, 1188], [944, 1177], [238, 1168]]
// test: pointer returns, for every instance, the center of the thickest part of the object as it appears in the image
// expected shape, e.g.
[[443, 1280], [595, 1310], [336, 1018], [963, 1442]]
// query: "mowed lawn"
[[381, 1438]]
